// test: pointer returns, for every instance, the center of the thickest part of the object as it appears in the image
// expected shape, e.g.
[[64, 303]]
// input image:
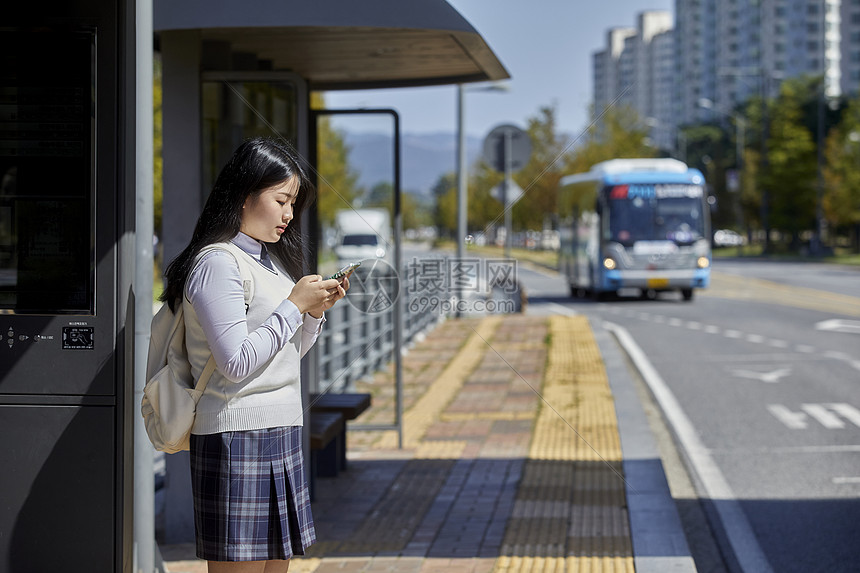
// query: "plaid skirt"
[[251, 500]]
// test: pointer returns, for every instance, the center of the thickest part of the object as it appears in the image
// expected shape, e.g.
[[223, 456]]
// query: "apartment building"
[[726, 51], [608, 85], [849, 31], [635, 69]]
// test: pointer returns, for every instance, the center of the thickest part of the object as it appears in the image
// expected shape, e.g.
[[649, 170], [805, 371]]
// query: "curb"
[[659, 542]]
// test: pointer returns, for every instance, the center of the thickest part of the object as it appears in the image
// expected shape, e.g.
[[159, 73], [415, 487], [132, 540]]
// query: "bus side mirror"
[[598, 207]]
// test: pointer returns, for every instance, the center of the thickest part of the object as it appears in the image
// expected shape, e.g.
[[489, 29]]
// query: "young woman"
[[251, 503]]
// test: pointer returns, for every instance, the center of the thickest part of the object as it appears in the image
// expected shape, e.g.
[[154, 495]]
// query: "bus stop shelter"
[[233, 70]]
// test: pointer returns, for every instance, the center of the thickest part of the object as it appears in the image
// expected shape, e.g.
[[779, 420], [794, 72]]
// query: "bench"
[[326, 443], [349, 406]]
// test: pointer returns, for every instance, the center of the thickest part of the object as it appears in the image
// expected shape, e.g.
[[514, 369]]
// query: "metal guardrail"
[[355, 344]]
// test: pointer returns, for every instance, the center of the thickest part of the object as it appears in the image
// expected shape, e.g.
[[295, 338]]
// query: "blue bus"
[[637, 224]]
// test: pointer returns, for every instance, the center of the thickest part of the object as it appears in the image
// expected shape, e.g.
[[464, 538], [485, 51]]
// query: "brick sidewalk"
[[511, 460]]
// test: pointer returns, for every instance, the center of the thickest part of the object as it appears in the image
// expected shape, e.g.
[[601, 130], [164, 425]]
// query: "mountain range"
[[424, 158]]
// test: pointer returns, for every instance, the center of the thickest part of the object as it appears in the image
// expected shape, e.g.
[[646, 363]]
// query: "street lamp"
[[462, 199]]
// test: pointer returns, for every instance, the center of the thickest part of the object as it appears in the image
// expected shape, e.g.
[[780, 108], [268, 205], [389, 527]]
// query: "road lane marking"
[[738, 530], [792, 420], [846, 480], [839, 325], [787, 450], [771, 377], [735, 334], [828, 415], [824, 416], [848, 412], [763, 358]]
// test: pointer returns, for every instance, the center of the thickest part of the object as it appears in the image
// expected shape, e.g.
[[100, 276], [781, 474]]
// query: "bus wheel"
[[687, 293], [648, 294]]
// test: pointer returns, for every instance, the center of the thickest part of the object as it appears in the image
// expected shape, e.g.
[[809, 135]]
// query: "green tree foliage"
[[417, 211], [445, 193], [706, 150], [841, 199], [337, 182], [791, 174], [484, 210], [620, 133], [540, 178], [380, 195], [157, 162]]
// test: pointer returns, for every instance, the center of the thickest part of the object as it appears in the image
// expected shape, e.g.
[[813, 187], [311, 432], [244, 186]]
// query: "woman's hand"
[[335, 295], [314, 295]]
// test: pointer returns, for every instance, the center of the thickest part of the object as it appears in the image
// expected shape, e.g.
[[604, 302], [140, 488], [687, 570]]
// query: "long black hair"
[[257, 164]]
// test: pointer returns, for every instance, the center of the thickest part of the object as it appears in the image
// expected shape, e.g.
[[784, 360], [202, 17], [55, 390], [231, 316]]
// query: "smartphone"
[[345, 271]]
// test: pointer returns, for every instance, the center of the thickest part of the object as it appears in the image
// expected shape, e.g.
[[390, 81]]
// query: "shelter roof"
[[344, 44]]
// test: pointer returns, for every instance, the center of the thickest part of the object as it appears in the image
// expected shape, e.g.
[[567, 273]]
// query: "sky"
[[546, 46]]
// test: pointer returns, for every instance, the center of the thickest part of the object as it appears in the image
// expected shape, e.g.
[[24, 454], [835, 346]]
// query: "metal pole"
[[506, 193], [144, 486], [740, 137], [819, 191], [398, 264], [462, 190], [764, 86]]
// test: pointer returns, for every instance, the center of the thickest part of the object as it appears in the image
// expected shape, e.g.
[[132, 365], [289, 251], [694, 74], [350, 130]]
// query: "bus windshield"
[[655, 213]]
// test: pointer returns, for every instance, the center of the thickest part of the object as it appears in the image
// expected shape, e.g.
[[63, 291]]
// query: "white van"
[[363, 234]]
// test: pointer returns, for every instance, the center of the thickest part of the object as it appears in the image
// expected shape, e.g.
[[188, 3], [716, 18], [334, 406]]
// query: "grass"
[[842, 256], [543, 258]]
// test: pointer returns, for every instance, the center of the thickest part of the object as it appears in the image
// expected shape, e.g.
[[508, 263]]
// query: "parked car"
[[728, 238]]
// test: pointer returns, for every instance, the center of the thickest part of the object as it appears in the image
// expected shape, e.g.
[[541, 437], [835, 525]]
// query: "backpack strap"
[[248, 293], [241, 262], [200, 386]]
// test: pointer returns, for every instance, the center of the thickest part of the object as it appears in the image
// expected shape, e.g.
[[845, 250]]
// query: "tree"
[[791, 174], [841, 199], [157, 162], [620, 133], [540, 178], [381, 196], [337, 182], [445, 193]]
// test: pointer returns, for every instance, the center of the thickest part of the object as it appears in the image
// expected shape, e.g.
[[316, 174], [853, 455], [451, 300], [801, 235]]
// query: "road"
[[764, 368]]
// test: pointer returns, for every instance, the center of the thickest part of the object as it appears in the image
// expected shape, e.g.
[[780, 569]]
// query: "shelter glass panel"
[[234, 111]]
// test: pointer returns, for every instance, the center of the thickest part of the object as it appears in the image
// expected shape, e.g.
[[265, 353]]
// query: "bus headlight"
[[703, 262], [609, 264]]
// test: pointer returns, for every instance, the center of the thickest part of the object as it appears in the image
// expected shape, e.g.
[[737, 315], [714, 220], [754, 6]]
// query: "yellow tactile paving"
[[494, 416], [570, 509], [736, 287], [426, 409]]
